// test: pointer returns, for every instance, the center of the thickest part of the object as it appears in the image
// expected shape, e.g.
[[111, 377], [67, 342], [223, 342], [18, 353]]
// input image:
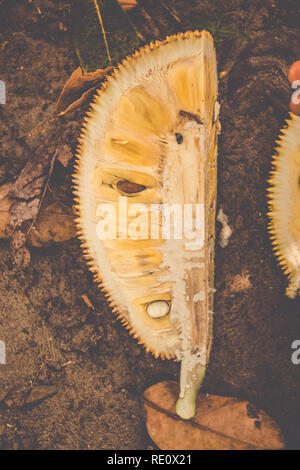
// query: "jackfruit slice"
[[284, 203], [148, 151]]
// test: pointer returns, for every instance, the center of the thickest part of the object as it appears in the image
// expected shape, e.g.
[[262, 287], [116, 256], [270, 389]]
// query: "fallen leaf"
[[65, 155], [27, 215], [5, 203], [19, 253], [221, 423], [27, 194], [40, 393], [22, 211], [23, 395], [55, 224], [79, 88]]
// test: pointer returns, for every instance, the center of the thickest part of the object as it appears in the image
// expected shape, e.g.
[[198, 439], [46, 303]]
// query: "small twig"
[[47, 212], [240, 47], [39, 126], [103, 30], [139, 35], [171, 12], [33, 382], [66, 364], [45, 188], [150, 21], [87, 301]]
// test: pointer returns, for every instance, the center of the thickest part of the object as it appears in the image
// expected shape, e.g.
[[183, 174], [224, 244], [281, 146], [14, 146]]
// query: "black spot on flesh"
[[190, 116], [129, 187], [179, 138], [257, 424]]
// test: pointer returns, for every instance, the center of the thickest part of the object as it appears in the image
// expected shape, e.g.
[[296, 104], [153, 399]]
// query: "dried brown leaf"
[[23, 215], [79, 88], [31, 179], [19, 253], [23, 395], [22, 211], [65, 155], [40, 393], [221, 423], [5, 203], [27, 194], [55, 224]]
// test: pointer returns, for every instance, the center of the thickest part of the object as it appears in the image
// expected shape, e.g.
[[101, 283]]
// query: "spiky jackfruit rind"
[[87, 249], [284, 203]]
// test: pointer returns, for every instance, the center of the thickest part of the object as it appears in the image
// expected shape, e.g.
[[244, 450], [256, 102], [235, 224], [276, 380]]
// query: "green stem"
[[186, 405]]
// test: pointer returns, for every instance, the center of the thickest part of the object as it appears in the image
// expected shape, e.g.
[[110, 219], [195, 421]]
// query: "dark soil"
[[93, 372]]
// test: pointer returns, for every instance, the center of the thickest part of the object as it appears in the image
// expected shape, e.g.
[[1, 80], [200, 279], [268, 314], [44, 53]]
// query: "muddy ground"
[[94, 369]]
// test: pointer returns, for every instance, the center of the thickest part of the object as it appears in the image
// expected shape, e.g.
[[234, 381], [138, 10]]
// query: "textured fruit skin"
[[295, 107], [284, 203], [294, 72], [294, 79], [153, 129]]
